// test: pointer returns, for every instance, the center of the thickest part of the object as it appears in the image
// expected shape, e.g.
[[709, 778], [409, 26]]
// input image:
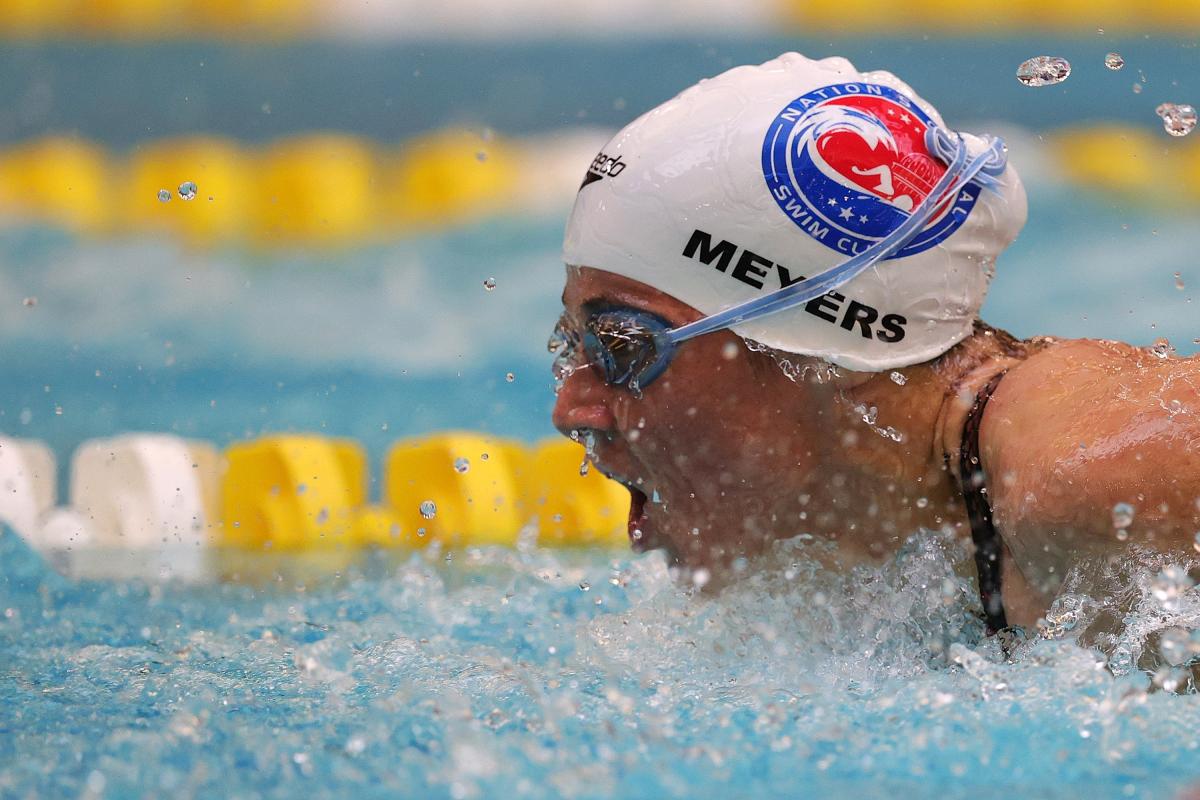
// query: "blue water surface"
[[525, 672], [536, 674]]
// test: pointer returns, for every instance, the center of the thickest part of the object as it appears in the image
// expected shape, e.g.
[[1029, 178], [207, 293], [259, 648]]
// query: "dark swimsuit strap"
[[988, 547]]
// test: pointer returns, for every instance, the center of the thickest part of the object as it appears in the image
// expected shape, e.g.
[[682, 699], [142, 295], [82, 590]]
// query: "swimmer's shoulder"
[[1081, 424]]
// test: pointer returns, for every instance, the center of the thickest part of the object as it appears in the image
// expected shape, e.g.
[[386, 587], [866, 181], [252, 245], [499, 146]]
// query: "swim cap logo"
[[848, 164]]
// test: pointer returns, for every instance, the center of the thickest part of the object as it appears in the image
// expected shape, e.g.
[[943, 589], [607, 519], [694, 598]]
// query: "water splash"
[[497, 674]]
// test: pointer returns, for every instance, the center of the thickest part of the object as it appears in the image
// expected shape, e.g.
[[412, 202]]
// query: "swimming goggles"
[[632, 348]]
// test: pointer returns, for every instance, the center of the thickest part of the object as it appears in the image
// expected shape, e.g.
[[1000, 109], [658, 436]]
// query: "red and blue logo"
[[848, 163]]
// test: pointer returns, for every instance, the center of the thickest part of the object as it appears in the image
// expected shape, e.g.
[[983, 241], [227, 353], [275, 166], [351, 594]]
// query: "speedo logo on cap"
[[603, 166], [848, 163]]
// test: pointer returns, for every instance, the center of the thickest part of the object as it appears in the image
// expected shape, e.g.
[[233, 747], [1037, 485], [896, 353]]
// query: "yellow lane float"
[[316, 189], [447, 177], [458, 488], [217, 208], [292, 492], [59, 180], [572, 508]]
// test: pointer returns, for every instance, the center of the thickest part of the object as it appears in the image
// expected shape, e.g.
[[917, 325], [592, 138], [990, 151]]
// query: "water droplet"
[[1169, 587], [729, 351], [483, 456], [1178, 120], [1179, 281], [489, 283], [584, 586], [1137, 88], [583, 467], [1043, 71], [428, 509], [898, 378], [1122, 516], [700, 577], [187, 190], [461, 465], [1175, 644], [164, 195], [1162, 348], [1114, 61], [922, 502], [29, 302], [421, 532], [509, 377]]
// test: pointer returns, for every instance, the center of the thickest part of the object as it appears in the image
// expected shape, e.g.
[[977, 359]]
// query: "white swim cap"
[[758, 177]]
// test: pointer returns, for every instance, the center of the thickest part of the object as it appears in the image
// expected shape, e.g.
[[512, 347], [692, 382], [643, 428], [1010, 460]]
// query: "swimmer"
[[771, 327]]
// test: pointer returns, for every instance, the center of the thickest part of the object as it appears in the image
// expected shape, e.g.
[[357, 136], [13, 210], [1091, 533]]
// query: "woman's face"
[[716, 450]]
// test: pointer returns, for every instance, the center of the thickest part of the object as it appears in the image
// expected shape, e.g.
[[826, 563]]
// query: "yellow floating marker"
[[292, 492], [36, 17], [216, 204], [448, 176], [59, 180], [239, 19], [381, 526], [315, 189], [128, 18], [574, 509], [461, 488], [1115, 159]]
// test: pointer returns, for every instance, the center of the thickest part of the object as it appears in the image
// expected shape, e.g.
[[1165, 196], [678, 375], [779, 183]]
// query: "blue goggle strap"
[[951, 149]]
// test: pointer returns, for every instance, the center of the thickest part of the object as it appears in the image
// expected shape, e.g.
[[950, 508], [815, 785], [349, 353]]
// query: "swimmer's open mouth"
[[637, 520]]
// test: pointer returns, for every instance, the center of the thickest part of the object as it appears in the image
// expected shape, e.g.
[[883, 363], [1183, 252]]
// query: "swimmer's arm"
[[1085, 426]]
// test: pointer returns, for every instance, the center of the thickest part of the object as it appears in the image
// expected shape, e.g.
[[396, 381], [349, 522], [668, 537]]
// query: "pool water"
[[532, 672], [546, 674]]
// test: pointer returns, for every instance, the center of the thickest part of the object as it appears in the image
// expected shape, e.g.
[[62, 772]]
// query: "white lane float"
[[142, 501], [27, 484]]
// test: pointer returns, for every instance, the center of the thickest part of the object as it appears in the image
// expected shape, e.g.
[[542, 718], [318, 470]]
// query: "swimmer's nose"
[[584, 401]]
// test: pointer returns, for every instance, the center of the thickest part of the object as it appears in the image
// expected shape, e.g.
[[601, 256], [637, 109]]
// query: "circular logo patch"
[[848, 163]]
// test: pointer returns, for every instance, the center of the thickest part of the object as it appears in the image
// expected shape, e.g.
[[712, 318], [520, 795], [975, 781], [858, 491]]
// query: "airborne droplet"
[[461, 465], [187, 190], [489, 283], [1162, 348], [1178, 120], [428, 509], [1043, 71], [1122, 516], [164, 195], [1114, 61], [1170, 586]]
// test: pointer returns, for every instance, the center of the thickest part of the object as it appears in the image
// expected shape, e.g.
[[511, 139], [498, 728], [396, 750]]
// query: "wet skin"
[[740, 455]]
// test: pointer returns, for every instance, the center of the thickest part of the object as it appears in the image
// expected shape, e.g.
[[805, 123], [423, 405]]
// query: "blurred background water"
[[369, 167]]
